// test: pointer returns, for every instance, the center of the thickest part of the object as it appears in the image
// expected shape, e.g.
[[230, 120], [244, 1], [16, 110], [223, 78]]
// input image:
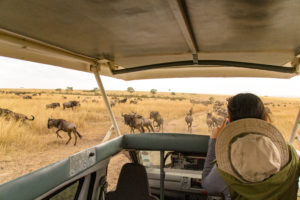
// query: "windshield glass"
[[38, 92]]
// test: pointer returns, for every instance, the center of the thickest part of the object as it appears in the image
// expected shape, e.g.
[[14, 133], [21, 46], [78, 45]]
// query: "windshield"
[[30, 89]]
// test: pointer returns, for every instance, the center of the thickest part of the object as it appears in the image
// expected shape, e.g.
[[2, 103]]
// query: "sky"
[[23, 74]]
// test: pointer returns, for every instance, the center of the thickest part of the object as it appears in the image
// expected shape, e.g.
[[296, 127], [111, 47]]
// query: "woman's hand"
[[216, 131]]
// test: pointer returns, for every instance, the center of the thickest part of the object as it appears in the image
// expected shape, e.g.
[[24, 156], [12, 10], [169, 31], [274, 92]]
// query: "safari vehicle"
[[133, 40]]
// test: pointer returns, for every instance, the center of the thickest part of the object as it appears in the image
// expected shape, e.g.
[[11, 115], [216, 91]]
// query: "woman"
[[249, 151]]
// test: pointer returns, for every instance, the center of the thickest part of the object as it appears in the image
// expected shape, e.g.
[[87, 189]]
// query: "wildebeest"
[[194, 101], [189, 119], [210, 123], [71, 104], [205, 103], [8, 114], [158, 119], [123, 100], [27, 97], [213, 121], [134, 122], [222, 112], [133, 102], [5, 113], [21, 117], [148, 124], [53, 105], [65, 126], [112, 103]]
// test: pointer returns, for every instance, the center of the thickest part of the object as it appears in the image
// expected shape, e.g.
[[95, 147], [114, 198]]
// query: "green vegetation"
[[130, 89], [153, 91], [69, 89]]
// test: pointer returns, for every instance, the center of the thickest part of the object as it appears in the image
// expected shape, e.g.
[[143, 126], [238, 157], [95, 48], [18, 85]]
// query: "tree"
[[172, 93], [58, 90], [95, 89], [153, 91], [69, 88], [130, 89]]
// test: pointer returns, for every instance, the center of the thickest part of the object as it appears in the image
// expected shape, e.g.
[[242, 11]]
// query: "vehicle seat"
[[132, 184]]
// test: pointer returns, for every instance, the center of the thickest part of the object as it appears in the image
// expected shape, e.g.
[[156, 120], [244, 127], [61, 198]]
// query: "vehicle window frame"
[[78, 190]]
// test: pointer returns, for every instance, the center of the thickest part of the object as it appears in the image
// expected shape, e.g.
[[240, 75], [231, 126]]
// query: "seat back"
[[132, 184]]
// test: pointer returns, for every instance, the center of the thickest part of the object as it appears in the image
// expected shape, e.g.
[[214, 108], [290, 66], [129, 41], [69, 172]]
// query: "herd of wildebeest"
[[154, 123]]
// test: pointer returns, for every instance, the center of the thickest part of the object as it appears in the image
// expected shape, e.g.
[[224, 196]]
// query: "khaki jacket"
[[281, 186]]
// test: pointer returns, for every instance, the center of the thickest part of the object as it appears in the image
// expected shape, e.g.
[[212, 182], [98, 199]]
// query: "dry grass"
[[25, 147]]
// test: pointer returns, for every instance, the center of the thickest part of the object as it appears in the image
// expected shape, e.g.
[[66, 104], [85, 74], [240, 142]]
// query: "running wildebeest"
[[134, 122], [189, 120], [8, 114], [71, 104], [53, 105], [148, 124], [5, 113], [138, 122], [158, 119], [65, 126], [210, 123], [21, 117]]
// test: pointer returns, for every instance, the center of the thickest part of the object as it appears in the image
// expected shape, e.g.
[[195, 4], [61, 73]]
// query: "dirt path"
[[19, 162], [179, 125]]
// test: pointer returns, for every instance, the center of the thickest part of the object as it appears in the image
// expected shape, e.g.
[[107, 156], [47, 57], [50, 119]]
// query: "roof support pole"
[[182, 19], [111, 114], [295, 129]]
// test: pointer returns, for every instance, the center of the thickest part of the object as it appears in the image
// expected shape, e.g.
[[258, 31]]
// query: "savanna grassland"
[[30, 145]]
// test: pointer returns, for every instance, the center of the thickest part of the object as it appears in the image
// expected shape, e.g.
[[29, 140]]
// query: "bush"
[[130, 89], [153, 91], [95, 90], [69, 89]]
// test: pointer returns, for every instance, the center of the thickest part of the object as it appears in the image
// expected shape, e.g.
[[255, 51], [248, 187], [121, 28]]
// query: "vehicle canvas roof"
[[156, 39]]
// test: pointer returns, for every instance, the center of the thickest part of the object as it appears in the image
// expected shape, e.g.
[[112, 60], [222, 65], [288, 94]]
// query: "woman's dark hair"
[[246, 105]]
